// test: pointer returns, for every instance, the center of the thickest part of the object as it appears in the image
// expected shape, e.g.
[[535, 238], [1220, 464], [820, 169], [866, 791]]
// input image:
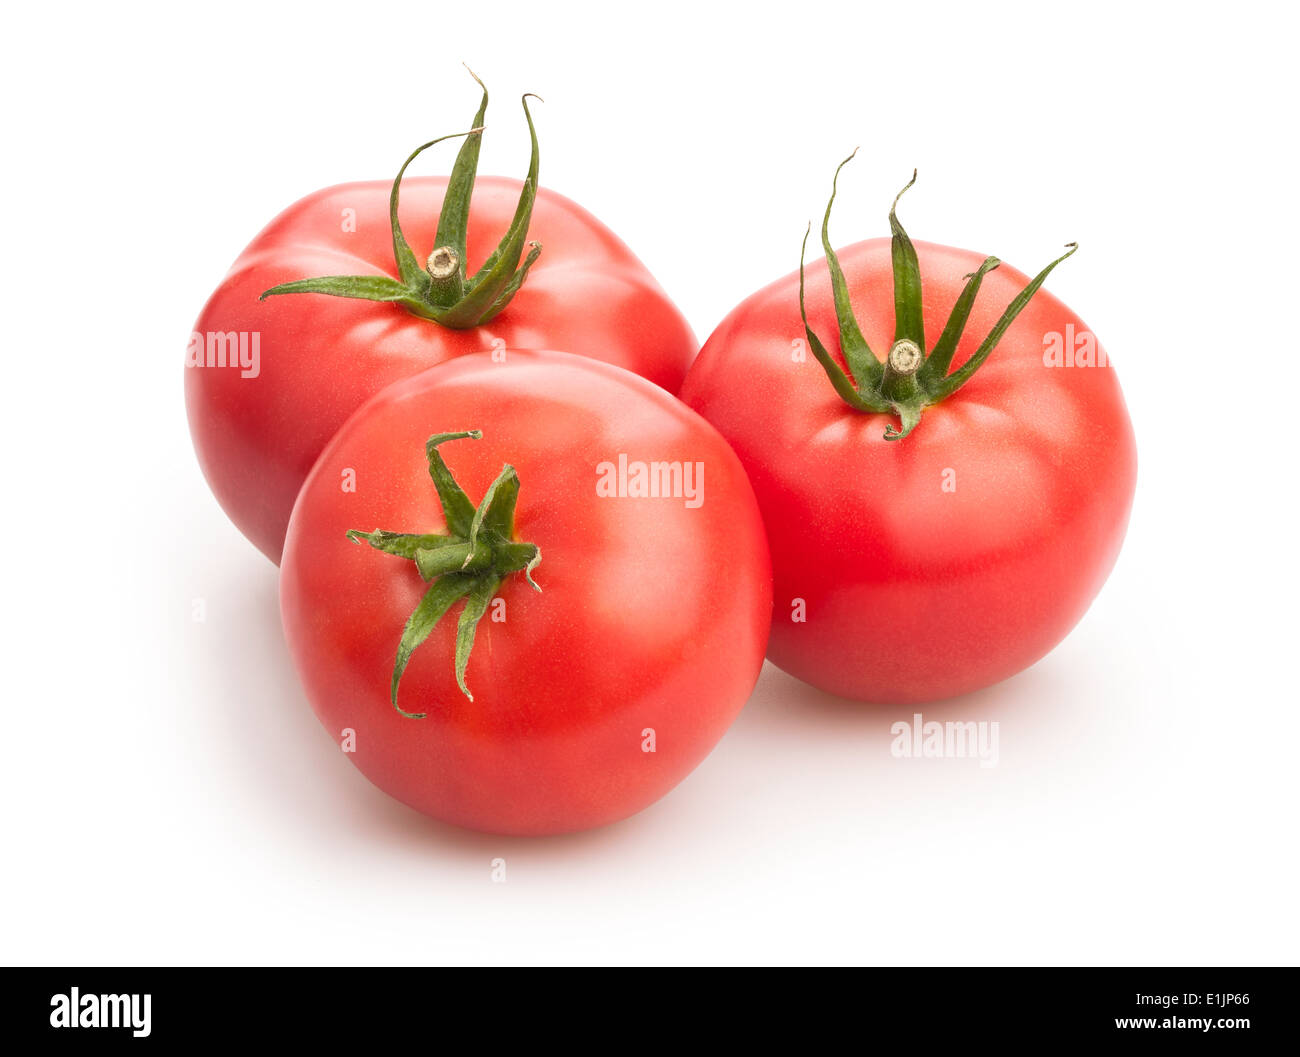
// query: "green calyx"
[[910, 379], [441, 289], [470, 561]]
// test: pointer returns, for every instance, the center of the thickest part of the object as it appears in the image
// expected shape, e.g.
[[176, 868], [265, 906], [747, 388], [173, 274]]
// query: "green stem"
[[899, 381], [446, 276]]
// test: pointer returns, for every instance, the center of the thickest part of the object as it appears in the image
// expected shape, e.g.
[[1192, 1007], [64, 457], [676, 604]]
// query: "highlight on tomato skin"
[[360, 285], [942, 455], [608, 578]]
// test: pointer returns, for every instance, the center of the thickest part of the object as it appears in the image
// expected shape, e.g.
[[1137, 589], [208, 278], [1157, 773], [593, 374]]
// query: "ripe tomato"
[[309, 360], [923, 560], [592, 698]]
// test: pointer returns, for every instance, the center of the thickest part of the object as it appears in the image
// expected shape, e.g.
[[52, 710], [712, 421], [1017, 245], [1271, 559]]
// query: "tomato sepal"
[[909, 380], [441, 290], [470, 561]]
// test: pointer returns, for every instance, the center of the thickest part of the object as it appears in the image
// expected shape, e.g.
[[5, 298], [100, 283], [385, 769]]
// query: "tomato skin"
[[913, 591], [321, 357], [651, 614]]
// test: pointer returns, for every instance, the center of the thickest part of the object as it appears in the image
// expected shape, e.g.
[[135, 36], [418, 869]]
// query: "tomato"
[[932, 532], [591, 697], [309, 359]]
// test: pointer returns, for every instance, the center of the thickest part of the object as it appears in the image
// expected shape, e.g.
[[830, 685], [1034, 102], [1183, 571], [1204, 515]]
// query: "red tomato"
[[915, 567], [648, 632], [309, 359]]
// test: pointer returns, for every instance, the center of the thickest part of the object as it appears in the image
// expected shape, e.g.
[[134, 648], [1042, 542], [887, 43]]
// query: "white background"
[[168, 795]]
